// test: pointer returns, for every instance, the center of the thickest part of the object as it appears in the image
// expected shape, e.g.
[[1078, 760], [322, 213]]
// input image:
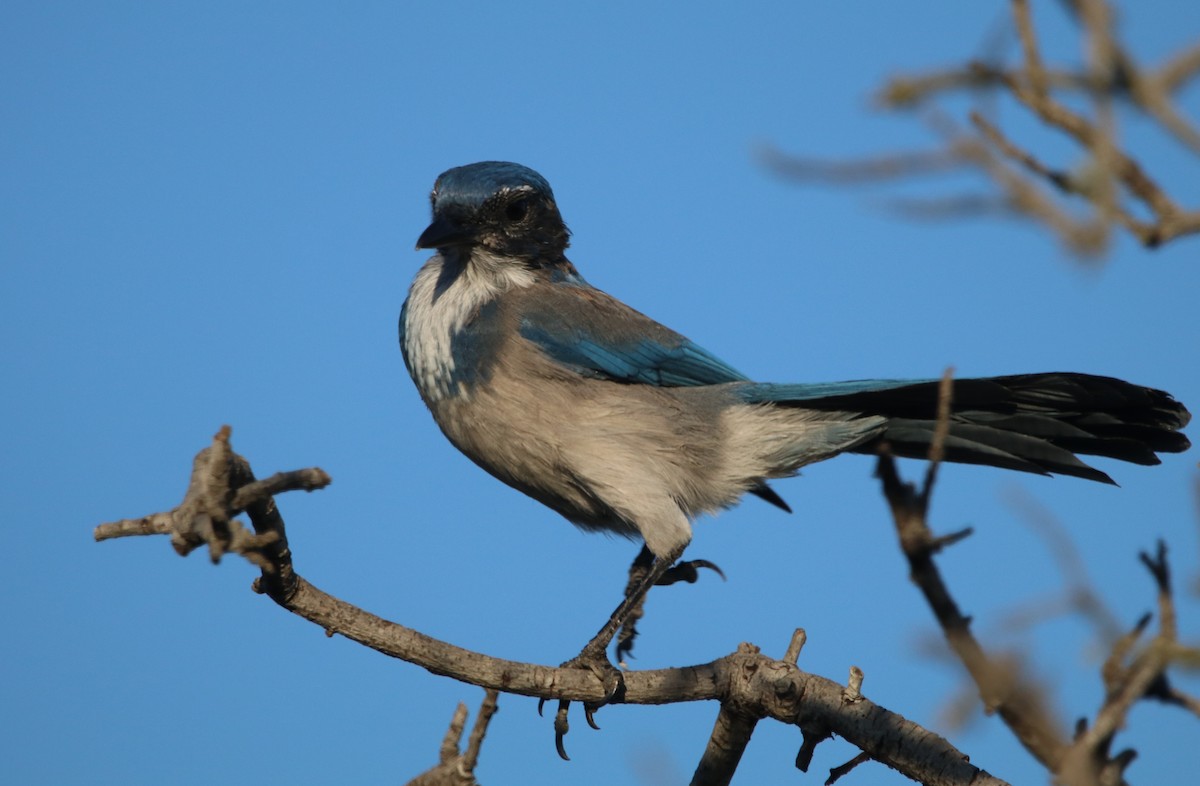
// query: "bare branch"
[[1080, 595], [1060, 180], [937, 446], [1088, 761], [792, 655], [458, 722], [891, 166], [475, 742], [730, 736], [749, 683], [455, 768], [1112, 176], [1034, 69], [1020, 705], [841, 770], [1176, 72], [220, 488]]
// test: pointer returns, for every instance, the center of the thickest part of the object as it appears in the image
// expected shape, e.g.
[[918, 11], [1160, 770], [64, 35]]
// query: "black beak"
[[444, 232]]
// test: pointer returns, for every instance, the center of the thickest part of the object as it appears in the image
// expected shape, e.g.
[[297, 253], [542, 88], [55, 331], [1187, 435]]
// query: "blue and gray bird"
[[623, 425]]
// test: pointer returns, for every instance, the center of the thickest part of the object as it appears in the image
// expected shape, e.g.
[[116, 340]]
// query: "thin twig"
[[841, 770], [1034, 69], [792, 654], [455, 768], [937, 446], [1087, 760], [486, 710], [1112, 177]]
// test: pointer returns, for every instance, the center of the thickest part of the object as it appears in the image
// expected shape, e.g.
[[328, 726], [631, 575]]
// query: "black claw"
[[614, 690], [589, 713], [561, 727], [688, 572], [703, 563]]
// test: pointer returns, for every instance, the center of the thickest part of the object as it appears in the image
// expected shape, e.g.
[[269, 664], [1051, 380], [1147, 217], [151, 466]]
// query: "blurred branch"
[[1017, 702], [1129, 675], [893, 166], [1080, 595], [748, 685], [1113, 186], [1196, 500]]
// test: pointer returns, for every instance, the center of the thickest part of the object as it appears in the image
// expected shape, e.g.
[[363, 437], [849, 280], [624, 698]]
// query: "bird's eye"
[[517, 210]]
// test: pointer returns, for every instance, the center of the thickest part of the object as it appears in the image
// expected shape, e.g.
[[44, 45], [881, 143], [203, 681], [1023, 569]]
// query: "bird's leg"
[[594, 657], [641, 566], [688, 571], [645, 572]]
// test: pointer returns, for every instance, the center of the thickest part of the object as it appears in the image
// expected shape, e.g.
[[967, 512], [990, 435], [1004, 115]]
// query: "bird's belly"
[[604, 455], [527, 446]]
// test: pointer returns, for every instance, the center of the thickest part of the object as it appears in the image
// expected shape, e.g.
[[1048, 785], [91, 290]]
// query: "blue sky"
[[208, 217]]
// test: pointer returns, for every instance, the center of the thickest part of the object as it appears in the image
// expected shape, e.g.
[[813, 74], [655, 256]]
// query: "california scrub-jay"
[[621, 424]]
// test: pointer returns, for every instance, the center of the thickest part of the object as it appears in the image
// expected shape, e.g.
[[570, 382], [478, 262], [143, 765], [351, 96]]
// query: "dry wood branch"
[[903, 92], [795, 646], [1124, 167], [1080, 596], [455, 768], [475, 742], [1114, 186], [1196, 501], [1017, 703], [1098, 137], [220, 488], [837, 773], [1059, 179], [750, 683], [1088, 760], [730, 736], [1033, 59], [891, 166], [1086, 237]]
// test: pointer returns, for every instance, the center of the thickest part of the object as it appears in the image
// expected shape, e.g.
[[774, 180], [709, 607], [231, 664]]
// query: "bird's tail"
[[1027, 422]]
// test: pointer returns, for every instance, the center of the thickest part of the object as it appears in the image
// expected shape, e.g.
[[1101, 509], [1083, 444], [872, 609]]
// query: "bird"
[[625, 426]]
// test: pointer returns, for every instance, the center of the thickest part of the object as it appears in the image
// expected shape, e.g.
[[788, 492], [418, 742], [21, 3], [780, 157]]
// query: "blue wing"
[[842, 393], [646, 361], [599, 337]]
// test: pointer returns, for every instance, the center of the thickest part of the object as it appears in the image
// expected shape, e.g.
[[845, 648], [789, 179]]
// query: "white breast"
[[432, 316]]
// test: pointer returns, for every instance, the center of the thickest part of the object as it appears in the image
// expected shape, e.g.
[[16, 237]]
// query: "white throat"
[[436, 310]]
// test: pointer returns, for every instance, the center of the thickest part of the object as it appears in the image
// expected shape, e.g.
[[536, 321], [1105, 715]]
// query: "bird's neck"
[[448, 292], [481, 274]]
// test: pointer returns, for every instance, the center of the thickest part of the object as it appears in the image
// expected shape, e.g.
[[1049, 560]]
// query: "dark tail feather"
[[1027, 422]]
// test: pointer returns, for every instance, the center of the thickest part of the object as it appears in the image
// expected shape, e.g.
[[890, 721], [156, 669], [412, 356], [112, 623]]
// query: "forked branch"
[[748, 684]]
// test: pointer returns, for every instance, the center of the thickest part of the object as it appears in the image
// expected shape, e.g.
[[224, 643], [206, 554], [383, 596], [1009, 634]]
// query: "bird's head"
[[503, 208]]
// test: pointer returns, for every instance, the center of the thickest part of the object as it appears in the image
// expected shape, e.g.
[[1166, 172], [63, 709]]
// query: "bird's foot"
[[593, 659], [685, 570], [646, 571]]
